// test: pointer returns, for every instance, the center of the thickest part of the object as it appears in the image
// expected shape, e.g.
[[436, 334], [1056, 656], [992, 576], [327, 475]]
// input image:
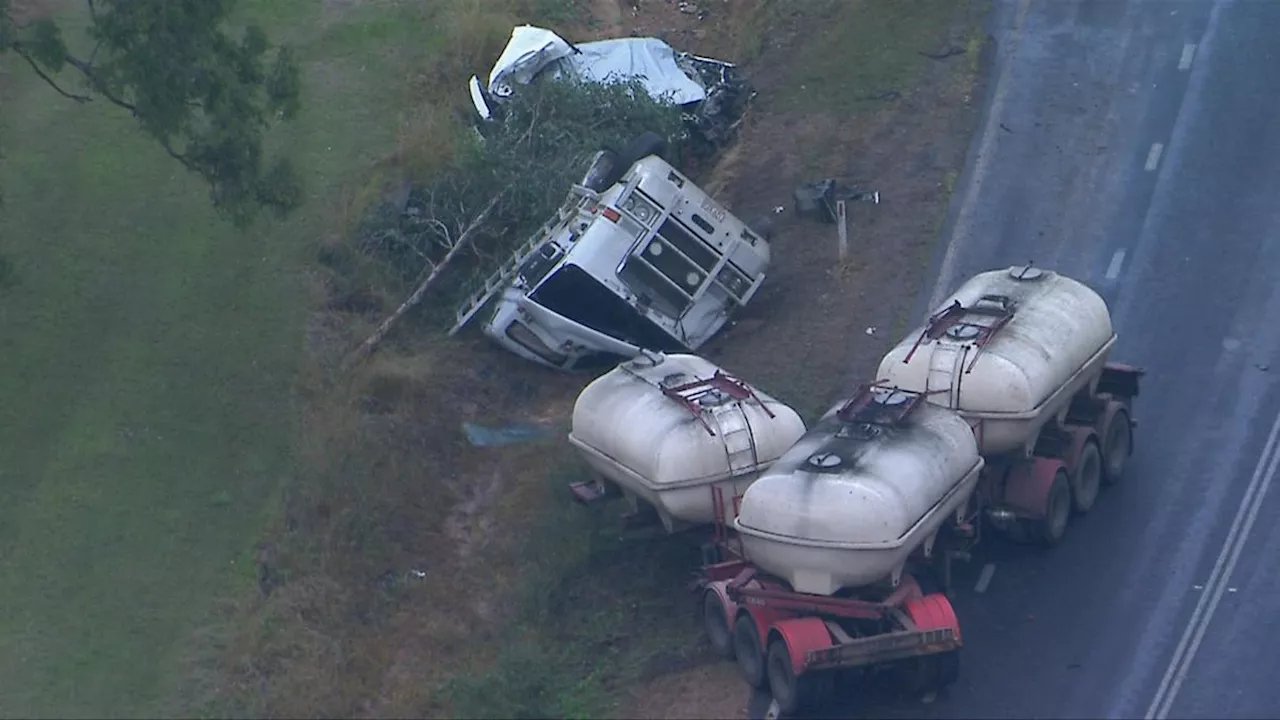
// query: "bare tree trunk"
[[368, 346]]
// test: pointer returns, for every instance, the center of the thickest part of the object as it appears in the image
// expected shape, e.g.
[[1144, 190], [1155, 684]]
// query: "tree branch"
[[100, 87], [22, 53], [368, 346]]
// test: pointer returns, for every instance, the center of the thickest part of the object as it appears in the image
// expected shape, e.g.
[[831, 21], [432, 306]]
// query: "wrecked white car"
[[638, 256], [712, 93]]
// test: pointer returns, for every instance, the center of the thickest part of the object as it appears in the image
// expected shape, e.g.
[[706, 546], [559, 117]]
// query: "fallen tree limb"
[[368, 346]]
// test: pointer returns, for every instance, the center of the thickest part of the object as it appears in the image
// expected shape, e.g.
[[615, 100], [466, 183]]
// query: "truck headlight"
[[640, 209], [734, 281]]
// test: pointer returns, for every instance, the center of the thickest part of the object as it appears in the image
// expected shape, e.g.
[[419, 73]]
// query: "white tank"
[[667, 429], [1012, 353], [871, 482]]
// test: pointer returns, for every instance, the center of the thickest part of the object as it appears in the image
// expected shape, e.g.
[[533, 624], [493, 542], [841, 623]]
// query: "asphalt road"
[[1136, 146]]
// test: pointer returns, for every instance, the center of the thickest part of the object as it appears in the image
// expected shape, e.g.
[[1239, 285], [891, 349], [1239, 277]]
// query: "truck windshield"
[[573, 293]]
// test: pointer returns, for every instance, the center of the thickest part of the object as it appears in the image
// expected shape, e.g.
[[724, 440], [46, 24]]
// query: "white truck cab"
[[648, 260]]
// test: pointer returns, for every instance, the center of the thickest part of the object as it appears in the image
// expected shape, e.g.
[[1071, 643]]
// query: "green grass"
[[864, 50], [596, 612], [149, 351]]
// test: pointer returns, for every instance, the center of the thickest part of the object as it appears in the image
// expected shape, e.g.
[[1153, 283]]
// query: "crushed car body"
[[637, 256], [712, 93]]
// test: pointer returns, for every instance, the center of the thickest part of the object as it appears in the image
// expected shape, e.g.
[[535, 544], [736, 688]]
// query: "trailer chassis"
[[794, 643]]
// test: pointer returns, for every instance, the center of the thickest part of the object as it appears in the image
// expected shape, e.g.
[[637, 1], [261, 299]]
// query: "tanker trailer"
[[819, 583], [1017, 357], [1021, 354], [678, 434]]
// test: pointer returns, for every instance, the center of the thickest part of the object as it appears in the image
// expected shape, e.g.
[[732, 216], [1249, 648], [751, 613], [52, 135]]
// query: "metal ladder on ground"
[[495, 282], [502, 276]]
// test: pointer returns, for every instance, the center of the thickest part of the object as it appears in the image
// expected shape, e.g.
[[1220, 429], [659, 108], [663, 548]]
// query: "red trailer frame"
[[795, 642], [791, 641]]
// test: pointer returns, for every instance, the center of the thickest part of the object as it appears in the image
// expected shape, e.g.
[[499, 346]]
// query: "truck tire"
[[716, 624], [603, 171], [644, 145], [746, 646], [1086, 477], [928, 673], [792, 693], [1117, 446], [1050, 529]]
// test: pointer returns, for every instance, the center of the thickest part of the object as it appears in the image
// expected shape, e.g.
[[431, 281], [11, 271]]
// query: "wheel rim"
[[1088, 477], [1117, 446]]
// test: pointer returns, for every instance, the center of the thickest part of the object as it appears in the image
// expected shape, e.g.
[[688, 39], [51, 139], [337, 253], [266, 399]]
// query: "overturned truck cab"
[[638, 256]]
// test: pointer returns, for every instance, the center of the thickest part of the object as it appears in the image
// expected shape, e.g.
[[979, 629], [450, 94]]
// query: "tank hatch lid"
[[1026, 273], [699, 394], [879, 405], [977, 323]]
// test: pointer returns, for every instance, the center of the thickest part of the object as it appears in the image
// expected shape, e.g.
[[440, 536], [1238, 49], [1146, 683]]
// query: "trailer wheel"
[[1050, 528], [1118, 446], [1086, 478], [948, 668], [792, 693], [645, 144], [746, 646], [927, 673], [716, 624]]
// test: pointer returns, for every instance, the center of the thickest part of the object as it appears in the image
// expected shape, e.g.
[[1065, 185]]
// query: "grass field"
[[148, 354]]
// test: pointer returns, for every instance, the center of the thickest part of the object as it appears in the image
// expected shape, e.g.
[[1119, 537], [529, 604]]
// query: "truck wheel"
[[716, 624], [1050, 529], [792, 693], [603, 171], [948, 668], [746, 646], [928, 673], [644, 145], [1086, 478], [1117, 447]]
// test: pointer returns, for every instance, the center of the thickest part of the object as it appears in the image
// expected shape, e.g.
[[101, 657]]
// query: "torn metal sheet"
[[649, 60], [529, 50], [532, 50]]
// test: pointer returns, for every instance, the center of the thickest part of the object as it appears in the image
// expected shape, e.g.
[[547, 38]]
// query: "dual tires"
[[1094, 459], [771, 667]]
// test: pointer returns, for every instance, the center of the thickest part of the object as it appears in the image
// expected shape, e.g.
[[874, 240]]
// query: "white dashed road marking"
[[1117, 262], [985, 578], [1188, 55], [1153, 157]]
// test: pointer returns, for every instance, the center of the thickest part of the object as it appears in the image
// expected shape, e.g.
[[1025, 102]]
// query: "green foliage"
[[540, 146], [206, 93], [595, 611]]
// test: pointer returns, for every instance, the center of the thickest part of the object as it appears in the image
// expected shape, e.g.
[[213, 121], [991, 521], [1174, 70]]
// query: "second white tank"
[[872, 481]]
